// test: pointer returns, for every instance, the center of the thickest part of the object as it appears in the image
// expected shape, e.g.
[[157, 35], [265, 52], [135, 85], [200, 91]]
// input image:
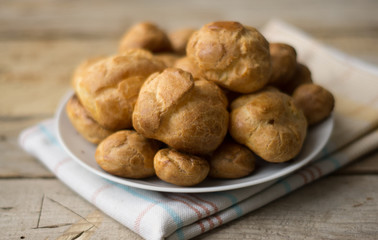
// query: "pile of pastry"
[[195, 103]]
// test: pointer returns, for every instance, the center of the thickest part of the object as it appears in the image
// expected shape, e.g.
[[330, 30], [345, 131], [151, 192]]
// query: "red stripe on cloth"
[[59, 164], [197, 203], [141, 215], [319, 170], [27, 134], [220, 221], [216, 216], [211, 204], [303, 175], [210, 219], [205, 201], [199, 215], [211, 223], [98, 191], [311, 173]]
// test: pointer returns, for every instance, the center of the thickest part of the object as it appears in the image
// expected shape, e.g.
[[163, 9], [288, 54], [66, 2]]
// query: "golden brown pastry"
[[234, 56], [179, 168], [187, 65], [179, 39], [83, 123], [269, 123], [169, 59], [231, 160], [284, 63], [188, 115], [127, 154], [145, 35], [301, 76], [316, 102], [82, 67], [109, 88]]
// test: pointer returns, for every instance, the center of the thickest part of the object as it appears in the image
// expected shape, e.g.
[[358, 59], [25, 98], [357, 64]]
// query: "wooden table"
[[42, 41]]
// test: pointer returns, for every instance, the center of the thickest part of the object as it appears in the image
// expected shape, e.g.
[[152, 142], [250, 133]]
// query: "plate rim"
[[176, 189]]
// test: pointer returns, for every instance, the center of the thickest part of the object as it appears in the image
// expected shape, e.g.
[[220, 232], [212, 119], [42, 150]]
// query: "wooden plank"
[[52, 211], [13, 161], [331, 208], [336, 207], [34, 75], [100, 18]]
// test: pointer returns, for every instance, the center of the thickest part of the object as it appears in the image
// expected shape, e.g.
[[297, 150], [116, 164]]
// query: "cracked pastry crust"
[[147, 36], [231, 160], [186, 64], [83, 123], [108, 90], [188, 115], [179, 168], [316, 102], [128, 154], [234, 56], [269, 123]]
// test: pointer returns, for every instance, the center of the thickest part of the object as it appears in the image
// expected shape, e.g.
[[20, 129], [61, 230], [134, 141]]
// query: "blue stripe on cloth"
[[333, 160], [325, 151], [234, 201], [286, 184], [48, 134], [176, 218]]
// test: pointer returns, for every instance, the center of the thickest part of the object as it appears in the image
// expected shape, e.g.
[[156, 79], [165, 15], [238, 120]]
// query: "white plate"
[[83, 152]]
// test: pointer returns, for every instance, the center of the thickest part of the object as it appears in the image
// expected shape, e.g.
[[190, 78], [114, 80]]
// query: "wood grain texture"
[[42, 41], [34, 75], [336, 207], [15, 163], [101, 18], [52, 211]]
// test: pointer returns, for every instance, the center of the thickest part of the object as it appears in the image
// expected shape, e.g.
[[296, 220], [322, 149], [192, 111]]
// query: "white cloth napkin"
[[157, 215]]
